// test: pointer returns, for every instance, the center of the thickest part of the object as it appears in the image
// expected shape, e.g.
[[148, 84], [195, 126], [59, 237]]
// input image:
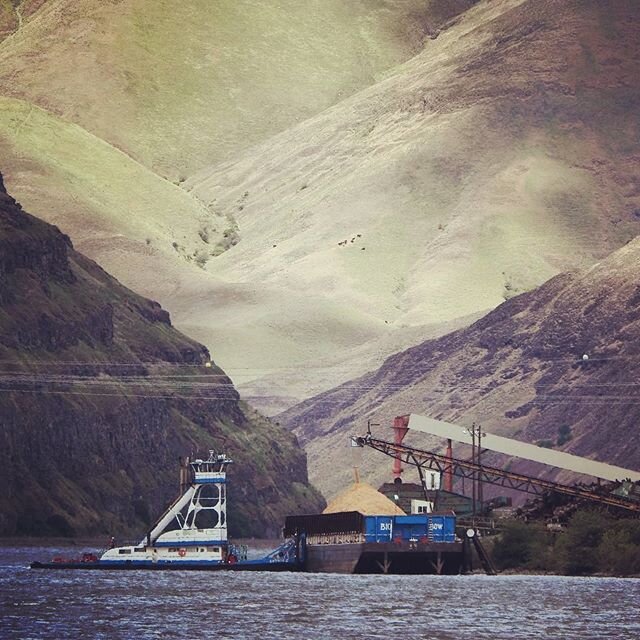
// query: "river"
[[138, 605]]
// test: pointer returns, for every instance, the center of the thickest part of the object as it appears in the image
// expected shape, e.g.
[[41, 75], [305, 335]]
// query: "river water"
[[193, 605]]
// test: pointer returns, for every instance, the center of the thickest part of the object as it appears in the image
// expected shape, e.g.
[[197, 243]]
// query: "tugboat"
[[191, 534]]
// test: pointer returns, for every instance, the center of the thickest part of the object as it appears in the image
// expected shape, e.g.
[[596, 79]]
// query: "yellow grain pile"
[[362, 497]]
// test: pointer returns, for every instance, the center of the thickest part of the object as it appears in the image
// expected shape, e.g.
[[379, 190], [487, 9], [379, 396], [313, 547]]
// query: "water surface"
[[138, 604]]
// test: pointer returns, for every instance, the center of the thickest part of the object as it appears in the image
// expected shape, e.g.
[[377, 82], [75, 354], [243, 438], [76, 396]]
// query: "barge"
[[350, 542], [191, 535]]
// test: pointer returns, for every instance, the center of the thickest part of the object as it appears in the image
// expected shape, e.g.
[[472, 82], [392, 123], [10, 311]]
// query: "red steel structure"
[[400, 428]]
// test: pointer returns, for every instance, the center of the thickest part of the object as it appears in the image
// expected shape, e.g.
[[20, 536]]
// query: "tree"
[[576, 550], [619, 550], [521, 545]]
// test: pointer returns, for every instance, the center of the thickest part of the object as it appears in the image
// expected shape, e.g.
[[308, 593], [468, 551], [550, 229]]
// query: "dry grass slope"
[[179, 85], [159, 89], [501, 155], [518, 371], [114, 208], [409, 196]]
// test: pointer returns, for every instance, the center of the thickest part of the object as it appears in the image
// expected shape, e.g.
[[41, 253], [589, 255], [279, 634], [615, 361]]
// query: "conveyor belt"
[[524, 450], [490, 475]]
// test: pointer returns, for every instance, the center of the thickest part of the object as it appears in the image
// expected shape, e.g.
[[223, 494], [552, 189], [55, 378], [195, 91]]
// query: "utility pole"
[[473, 460], [480, 434], [476, 459], [473, 475]]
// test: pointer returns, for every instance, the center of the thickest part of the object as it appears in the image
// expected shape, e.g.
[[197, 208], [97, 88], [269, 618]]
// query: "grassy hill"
[[181, 85], [519, 371], [100, 395], [105, 109], [503, 153], [378, 172], [114, 207]]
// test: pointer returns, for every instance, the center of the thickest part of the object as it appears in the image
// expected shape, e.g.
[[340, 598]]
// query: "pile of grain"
[[364, 498]]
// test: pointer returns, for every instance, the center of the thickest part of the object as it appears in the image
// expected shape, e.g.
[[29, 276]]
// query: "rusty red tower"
[[400, 428]]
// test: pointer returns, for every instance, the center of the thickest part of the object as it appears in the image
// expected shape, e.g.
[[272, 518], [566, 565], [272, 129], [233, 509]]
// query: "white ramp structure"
[[523, 450]]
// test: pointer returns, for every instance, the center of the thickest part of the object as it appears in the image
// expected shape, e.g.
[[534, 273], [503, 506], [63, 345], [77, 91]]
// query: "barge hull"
[[391, 558]]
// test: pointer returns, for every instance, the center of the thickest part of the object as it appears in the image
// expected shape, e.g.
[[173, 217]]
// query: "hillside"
[[99, 396], [380, 172], [159, 90], [502, 154], [14, 13], [181, 85], [519, 371], [116, 210]]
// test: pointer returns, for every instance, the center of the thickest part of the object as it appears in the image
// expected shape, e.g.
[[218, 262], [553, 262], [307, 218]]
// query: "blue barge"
[[349, 542]]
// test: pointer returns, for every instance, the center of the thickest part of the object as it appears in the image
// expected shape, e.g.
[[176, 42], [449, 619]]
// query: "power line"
[[294, 367], [121, 395], [221, 398], [218, 380]]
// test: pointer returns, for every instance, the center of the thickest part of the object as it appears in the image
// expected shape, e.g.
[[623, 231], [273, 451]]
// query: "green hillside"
[[182, 85], [100, 395]]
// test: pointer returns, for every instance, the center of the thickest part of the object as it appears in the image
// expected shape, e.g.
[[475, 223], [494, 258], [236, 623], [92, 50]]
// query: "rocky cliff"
[[99, 396], [557, 366]]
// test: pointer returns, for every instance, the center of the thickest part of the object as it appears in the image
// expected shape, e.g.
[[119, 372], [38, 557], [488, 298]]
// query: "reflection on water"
[[138, 604]]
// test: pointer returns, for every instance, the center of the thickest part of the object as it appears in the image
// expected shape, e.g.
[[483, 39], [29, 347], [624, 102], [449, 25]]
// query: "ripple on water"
[[60, 605]]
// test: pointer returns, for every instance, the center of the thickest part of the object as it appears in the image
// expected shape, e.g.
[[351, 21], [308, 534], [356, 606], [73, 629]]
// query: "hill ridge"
[[520, 371], [99, 395]]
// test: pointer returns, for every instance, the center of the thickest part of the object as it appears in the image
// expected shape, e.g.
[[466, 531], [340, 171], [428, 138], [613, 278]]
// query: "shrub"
[[564, 434], [576, 549], [521, 545], [593, 542], [619, 550]]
